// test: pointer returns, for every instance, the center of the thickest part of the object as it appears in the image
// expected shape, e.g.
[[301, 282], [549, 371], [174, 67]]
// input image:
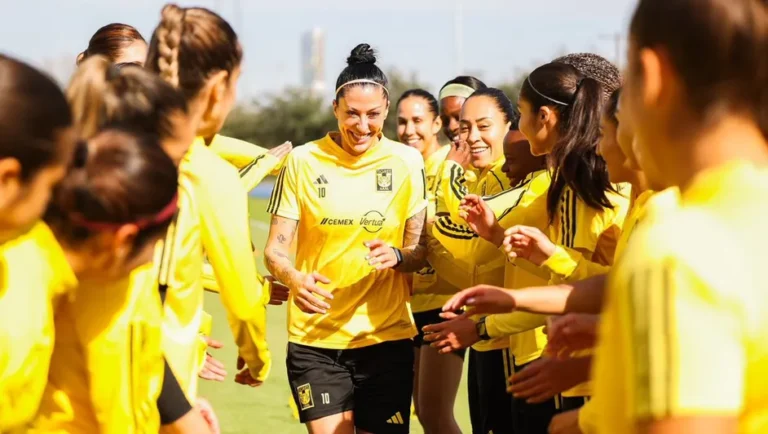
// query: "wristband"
[[482, 331], [398, 256]]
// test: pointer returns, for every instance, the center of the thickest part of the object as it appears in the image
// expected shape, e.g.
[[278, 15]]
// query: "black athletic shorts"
[[375, 382], [535, 418], [490, 405], [426, 318]]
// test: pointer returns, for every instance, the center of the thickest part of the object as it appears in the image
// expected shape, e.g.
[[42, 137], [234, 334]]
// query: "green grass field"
[[265, 409]]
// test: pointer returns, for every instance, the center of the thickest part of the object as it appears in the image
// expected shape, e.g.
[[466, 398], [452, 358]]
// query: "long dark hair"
[[578, 101]]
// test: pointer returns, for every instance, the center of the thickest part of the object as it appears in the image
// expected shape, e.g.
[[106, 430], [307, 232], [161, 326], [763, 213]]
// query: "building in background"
[[313, 61]]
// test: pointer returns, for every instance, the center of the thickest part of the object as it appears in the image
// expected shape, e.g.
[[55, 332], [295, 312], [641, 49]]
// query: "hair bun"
[[362, 54]]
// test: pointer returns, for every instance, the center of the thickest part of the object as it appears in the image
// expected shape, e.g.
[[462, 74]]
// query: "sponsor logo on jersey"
[[327, 221], [372, 221]]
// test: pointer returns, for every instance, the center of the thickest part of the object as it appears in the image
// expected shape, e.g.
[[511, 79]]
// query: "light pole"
[[617, 39], [458, 33]]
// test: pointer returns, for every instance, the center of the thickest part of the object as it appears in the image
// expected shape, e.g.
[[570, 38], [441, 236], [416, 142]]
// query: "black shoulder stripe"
[[244, 171]]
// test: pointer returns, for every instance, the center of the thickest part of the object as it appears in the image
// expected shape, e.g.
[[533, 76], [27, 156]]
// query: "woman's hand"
[[480, 218], [528, 243]]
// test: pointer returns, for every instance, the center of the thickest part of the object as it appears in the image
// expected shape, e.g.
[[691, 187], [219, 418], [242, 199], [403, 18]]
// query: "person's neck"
[[77, 261], [430, 149], [732, 139], [639, 183]]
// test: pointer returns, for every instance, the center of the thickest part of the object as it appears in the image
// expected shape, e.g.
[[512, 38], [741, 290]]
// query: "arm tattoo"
[[414, 243], [277, 260]]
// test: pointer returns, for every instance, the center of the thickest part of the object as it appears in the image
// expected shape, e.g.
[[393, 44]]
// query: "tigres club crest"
[[305, 396], [384, 180]]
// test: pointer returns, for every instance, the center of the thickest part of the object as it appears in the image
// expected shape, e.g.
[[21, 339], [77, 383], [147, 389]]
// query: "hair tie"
[[456, 89], [81, 154], [163, 216], [544, 96], [360, 81]]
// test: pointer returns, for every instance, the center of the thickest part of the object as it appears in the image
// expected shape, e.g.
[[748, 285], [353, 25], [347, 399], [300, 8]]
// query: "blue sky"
[[501, 38]]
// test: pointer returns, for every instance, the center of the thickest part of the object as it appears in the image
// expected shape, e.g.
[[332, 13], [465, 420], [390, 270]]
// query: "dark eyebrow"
[[484, 119]]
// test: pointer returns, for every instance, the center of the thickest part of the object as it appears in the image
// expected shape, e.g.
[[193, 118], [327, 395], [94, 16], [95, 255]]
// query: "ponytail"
[[105, 95], [86, 95], [579, 102], [191, 44], [117, 178], [168, 41]]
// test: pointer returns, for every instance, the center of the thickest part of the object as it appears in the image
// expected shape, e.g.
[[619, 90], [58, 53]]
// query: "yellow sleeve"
[[418, 197], [284, 201], [508, 324], [510, 208], [253, 162], [588, 417], [451, 189], [226, 238], [567, 264], [446, 266], [687, 319]]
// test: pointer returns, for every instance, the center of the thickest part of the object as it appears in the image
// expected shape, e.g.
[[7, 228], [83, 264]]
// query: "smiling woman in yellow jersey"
[[675, 310], [197, 51], [355, 202], [560, 111], [35, 149], [418, 126]]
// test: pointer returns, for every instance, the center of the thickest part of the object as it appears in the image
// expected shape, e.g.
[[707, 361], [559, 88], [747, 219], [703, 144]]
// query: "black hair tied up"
[[363, 54], [361, 65]]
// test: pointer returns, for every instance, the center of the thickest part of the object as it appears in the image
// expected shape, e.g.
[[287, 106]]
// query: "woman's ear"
[[213, 95], [336, 109], [10, 181], [437, 125], [123, 241]]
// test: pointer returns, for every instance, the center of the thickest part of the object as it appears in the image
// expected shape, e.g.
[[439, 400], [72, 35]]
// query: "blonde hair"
[[191, 44], [102, 94]]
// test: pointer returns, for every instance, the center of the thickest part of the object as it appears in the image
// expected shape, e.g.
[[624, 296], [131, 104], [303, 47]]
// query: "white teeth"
[[478, 150]]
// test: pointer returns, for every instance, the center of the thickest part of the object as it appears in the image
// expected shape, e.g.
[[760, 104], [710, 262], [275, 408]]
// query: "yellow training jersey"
[[451, 189], [340, 202], [35, 274], [524, 204], [107, 365], [253, 163], [213, 217], [646, 208], [689, 295], [425, 280]]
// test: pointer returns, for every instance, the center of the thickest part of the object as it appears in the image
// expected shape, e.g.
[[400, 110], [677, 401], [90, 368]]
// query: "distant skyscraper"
[[313, 61]]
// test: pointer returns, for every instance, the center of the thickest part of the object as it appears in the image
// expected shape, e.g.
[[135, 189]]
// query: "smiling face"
[[483, 127], [417, 126], [450, 114], [360, 112]]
